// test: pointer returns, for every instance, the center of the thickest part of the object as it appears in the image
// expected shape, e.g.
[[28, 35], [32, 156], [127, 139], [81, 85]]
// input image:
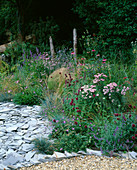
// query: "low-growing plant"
[[119, 134], [44, 146], [73, 134], [29, 96]]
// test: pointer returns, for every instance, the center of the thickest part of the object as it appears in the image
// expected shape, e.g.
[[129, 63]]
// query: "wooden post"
[[75, 44], [51, 47]]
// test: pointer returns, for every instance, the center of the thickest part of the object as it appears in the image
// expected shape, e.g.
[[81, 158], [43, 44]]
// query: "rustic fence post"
[[75, 44], [51, 47]]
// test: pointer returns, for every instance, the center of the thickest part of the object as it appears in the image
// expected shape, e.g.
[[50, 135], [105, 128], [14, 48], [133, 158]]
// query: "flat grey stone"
[[16, 143], [3, 167], [68, 154], [12, 167], [82, 152], [11, 105], [38, 108], [1, 122], [10, 160], [27, 147], [18, 165], [29, 155], [3, 117], [74, 154], [9, 152], [90, 151], [59, 155], [5, 110], [18, 137], [12, 128], [26, 126], [2, 152], [2, 134], [133, 154]]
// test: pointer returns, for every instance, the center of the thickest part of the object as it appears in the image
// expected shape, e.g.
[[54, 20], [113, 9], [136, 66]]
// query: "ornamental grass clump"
[[120, 134]]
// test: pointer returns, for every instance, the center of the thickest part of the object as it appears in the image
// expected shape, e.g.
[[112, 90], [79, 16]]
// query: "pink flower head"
[[104, 60], [93, 50], [102, 79], [9, 91], [17, 81], [124, 77], [98, 55], [72, 53]]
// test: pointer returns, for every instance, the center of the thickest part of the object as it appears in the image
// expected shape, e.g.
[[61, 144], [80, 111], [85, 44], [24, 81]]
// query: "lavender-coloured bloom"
[[30, 53], [92, 129], [37, 50], [114, 134], [127, 141], [101, 150]]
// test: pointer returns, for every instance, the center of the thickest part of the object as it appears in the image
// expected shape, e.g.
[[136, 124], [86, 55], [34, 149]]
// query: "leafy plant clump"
[[73, 134], [28, 97], [44, 146], [118, 135]]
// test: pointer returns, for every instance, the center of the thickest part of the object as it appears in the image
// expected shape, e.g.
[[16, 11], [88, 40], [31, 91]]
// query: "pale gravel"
[[87, 163]]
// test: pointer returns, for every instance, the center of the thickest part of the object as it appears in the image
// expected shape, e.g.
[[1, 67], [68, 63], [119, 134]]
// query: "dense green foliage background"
[[114, 21]]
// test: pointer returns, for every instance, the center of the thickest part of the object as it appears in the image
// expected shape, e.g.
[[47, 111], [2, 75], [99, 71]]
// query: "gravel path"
[[87, 163]]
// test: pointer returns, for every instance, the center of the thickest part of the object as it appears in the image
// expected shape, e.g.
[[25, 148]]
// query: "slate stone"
[[3, 167], [10, 160], [12, 167], [1, 122], [27, 147], [82, 152], [5, 110], [133, 154], [68, 154], [12, 128], [29, 155], [59, 155], [3, 117], [90, 151], [26, 126]]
